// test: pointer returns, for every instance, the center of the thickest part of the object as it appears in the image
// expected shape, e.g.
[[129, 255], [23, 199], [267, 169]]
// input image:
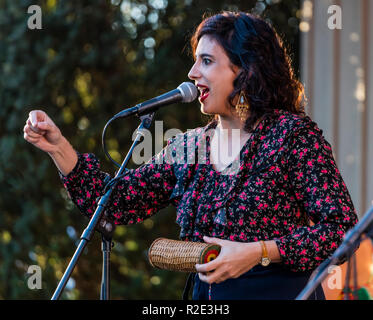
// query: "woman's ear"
[[236, 69]]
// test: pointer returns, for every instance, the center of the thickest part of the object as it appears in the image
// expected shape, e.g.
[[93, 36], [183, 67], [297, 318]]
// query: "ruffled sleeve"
[[322, 195]]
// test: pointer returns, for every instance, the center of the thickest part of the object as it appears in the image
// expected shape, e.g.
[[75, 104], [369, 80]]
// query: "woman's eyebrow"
[[204, 55]]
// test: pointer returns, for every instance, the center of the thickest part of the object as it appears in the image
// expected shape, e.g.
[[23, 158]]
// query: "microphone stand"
[[100, 222], [351, 241]]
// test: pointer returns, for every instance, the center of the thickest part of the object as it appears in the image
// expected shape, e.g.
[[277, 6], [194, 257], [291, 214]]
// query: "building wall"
[[337, 73]]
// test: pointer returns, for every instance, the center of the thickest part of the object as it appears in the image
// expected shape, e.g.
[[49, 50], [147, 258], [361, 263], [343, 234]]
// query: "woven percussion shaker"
[[176, 255]]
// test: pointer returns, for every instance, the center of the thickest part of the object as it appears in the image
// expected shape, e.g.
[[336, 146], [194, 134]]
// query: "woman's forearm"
[[65, 157]]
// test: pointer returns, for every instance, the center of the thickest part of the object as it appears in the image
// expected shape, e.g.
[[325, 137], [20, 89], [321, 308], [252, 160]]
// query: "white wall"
[[337, 73]]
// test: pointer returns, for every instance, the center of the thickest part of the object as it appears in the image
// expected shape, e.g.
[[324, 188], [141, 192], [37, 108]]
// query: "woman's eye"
[[206, 61]]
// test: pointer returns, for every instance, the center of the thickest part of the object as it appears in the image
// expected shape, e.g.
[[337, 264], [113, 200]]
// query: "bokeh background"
[[90, 60]]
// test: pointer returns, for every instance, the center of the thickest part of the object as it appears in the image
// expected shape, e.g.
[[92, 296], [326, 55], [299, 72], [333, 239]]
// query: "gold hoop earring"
[[242, 106]]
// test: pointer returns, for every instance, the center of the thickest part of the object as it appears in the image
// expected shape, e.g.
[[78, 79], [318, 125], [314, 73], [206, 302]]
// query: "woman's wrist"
[[273, 252], [64, 157]]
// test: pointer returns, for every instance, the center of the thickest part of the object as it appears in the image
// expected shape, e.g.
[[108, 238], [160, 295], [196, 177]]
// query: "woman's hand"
[[41, 131], [235, 259]]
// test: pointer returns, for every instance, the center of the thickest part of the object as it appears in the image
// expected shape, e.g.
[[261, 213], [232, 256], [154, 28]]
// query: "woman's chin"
[[206, 110]]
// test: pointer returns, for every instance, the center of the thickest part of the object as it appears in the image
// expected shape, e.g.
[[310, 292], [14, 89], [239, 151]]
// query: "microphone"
[[186, 92]]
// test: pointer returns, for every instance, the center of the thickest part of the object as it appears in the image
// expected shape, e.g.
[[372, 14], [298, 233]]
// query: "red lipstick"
[[204, 92]]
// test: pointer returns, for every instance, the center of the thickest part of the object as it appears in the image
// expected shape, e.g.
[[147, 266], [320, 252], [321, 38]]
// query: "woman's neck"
[[227, 124]]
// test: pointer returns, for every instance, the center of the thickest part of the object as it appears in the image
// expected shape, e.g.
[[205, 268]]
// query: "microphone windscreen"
[[188, 91]]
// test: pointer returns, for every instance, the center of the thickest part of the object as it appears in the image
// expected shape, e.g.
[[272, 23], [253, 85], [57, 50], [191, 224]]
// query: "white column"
[[369, 91], [350, 109]]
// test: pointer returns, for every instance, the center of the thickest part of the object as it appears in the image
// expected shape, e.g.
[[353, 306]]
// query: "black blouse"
[[283, 186]]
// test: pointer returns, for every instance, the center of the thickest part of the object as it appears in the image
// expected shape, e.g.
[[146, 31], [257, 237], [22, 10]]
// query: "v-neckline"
[[240, 154]]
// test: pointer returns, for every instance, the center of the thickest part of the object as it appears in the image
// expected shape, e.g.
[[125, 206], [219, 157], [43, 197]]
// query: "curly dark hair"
[[266, 76]]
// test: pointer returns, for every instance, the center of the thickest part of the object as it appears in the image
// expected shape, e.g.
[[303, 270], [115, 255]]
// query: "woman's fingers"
[[33, 118], [32, 132], [32, 128], [39, 122], [212, 277], [209, 266], [39, 125], [30, 139], [45, 126], [37, 116], [41, 131]]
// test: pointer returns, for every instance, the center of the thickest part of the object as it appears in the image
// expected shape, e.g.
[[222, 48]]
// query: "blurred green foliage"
[[90, 60]]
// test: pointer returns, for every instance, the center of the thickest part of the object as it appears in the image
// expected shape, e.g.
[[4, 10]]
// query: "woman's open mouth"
[[204, 94]]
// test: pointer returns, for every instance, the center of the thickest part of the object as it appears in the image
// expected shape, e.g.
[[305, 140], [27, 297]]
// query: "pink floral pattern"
[[287, 177]]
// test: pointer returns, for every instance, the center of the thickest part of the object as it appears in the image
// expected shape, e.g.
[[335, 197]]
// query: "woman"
[[277, 215]]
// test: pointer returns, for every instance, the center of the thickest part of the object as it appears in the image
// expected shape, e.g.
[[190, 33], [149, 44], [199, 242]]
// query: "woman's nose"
[[194, 73]]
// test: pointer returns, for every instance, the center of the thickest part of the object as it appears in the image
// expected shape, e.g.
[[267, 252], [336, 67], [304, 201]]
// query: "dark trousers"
[[260, 283]]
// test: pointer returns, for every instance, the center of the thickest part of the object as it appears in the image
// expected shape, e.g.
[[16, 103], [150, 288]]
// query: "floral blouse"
[[283, 186]]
